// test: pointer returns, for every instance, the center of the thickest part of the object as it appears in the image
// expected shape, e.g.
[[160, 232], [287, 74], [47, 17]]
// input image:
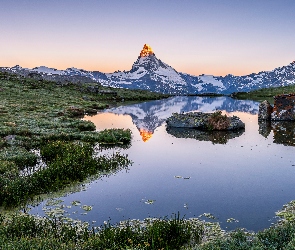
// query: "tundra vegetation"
[[265, 94], [44, 148]]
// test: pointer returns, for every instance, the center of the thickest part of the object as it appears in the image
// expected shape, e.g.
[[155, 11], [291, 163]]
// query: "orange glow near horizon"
[[145, 134], [218, 71], [110, 63], [146, 51]]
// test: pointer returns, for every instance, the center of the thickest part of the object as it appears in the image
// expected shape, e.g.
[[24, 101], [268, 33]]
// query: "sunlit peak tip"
[[146, 51]]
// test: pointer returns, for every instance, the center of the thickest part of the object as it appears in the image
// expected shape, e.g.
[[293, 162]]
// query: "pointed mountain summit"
[[150, 73], [146, 51]]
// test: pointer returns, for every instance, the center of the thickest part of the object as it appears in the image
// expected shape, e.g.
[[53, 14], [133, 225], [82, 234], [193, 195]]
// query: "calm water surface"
[[247, 176]]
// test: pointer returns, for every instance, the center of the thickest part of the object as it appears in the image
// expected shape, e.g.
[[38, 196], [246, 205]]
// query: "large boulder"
[[205, 121], [284, 108]]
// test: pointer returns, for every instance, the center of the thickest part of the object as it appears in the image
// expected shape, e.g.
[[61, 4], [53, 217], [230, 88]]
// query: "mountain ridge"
[[150, 73]]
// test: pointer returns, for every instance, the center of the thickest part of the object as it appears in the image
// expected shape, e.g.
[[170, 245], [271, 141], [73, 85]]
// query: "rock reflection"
[[216, 137], [284, 131], [264, 127]]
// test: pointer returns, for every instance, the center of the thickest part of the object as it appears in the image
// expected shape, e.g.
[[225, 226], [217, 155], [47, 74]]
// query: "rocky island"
[[205, 121]]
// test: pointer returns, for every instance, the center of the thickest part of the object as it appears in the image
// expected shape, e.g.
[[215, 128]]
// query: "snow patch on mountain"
[[210, 79], [49, 71]]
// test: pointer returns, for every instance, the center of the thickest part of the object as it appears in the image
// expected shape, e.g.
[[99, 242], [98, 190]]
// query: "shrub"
[[115, 136], [217, 121], [8, 169]]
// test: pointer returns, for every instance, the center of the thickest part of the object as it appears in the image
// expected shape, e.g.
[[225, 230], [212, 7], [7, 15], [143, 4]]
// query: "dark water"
[[247, 175]]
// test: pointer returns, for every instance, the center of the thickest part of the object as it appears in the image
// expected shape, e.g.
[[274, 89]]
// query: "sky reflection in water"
[[248, 178]]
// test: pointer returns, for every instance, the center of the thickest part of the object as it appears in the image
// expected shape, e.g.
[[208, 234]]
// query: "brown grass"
[[217, 121]]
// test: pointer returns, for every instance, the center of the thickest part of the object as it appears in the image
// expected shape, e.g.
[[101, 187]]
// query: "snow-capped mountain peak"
[[150, 73]]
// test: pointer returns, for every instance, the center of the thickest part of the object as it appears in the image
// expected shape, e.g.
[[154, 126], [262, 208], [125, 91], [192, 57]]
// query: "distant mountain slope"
[[69, 75], [150, 73]]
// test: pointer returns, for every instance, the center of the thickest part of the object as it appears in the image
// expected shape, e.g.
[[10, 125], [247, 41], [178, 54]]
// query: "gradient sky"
[[193, 36]]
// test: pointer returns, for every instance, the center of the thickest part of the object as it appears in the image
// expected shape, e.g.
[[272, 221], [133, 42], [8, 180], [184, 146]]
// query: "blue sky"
[[196, 37]]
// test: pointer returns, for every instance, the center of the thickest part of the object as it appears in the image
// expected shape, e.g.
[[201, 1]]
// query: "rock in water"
[[283, 109], [205, 121], [265, 110]]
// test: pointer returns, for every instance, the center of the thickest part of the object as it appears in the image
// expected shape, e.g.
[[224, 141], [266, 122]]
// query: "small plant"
[[115, 136], [217, 121], [8, 169]]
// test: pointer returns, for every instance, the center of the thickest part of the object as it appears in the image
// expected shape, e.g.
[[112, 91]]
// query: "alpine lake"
[[239, 179]]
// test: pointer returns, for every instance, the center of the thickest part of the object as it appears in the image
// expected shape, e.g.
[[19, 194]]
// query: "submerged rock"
[[205, 121]]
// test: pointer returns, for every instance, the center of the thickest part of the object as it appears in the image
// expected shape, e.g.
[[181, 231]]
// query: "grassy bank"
[[265, 94], [29, 232]]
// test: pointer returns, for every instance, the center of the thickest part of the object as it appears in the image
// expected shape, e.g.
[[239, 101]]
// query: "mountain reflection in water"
[[148, 116]]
